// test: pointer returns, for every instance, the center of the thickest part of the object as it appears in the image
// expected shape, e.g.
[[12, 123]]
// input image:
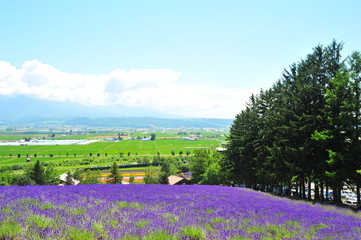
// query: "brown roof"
[[174, 179]]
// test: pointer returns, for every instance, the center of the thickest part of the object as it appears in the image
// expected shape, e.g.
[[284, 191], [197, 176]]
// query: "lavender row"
[[164, 212]]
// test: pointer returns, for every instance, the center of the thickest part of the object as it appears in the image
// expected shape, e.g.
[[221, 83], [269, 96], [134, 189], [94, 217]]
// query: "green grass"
[[272, 231], [71, 157], [193, 233], [9, 230], [80, 234], [134, 147], [40, 221], [76, 211], [136, 205], [171, 217], [122, 204], [141, 223], [159, 236]]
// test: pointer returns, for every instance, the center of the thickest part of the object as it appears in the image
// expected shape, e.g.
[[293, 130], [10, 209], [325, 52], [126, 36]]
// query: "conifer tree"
[[37, 174], [115, 177], [304, 129]]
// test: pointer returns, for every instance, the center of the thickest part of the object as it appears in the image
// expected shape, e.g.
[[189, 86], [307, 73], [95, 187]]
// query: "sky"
[[184, 57]]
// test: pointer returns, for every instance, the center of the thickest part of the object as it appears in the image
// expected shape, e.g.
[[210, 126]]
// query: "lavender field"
[[165, 212]]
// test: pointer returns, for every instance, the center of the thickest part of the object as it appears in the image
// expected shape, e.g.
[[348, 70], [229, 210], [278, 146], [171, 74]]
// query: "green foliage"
[[205, 167], [141, 224], [90, 177], [321, 136], [99, 229], [304, 128], [163, 178], [171, 217], [122, 204], [37, 174], [218, 220], [69, 178], [272, 231], [167, 168], [76, 211], [159, 236], [22, 180], [51, 177], [77, 174], [9, 230], [115, 177], [136, 205], [193, 233], [80, 234], [131, 179], [40, 221], [151, 176], [6, 179]]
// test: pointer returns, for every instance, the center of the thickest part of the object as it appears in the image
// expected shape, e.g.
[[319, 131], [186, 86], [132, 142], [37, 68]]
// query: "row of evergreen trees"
[[305, 128]]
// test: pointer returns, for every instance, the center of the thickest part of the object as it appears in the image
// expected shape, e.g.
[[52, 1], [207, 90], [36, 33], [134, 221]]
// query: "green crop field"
[[163, 146]]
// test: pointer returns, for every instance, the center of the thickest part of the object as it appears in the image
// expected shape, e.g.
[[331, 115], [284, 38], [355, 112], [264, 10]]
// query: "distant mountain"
[[149, 122], [22, 109]]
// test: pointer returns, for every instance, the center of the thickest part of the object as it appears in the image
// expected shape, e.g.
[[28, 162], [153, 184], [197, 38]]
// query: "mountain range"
[[23, 109]]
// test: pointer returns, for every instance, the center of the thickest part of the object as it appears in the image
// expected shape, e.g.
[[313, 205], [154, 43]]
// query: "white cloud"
[[156, 89]]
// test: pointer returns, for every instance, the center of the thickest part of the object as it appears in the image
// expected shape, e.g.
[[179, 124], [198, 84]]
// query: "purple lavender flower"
[[164, 212]]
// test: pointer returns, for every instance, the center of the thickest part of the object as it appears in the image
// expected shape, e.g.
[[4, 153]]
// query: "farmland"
[[127, 147], [163, 146], [165, 212], [167, 144]]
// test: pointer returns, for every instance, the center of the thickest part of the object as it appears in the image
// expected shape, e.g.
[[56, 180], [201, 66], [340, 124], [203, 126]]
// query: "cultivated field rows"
[[164, 147]]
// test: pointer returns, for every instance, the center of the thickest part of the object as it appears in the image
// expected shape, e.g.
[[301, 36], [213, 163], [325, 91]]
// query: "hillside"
[[24, 110], [139, 211], [149, 122]]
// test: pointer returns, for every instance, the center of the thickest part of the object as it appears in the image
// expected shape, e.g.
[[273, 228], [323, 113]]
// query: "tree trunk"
[[317, 192], [289, 188], [309, 189], [336, 193], [326, 192], [322, 192], [298, 189], [303, 188], [339, 194], [358, 193], [335, 197]]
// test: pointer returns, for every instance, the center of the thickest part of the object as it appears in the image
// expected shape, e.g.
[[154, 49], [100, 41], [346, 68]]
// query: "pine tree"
[[115, 177], [51, 177], [165, 172], [304, 129], [38, 174], [355, 144]]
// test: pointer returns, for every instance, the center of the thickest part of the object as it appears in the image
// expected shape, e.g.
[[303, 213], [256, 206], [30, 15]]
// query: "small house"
[[63, 177], [175, 180]]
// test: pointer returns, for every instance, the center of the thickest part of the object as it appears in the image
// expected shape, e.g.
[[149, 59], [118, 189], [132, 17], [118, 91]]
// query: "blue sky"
[[200, 58]]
